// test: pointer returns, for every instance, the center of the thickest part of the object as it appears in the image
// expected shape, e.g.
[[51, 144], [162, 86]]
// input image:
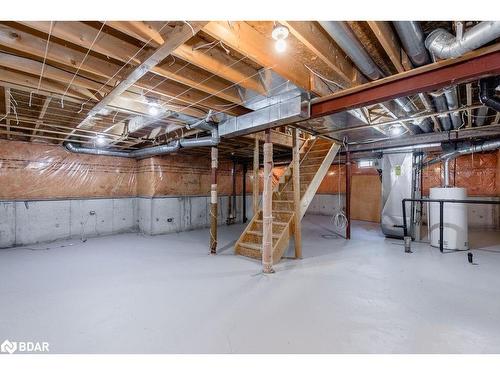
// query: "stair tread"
[[274, 222], [257, 233], [249, 245]]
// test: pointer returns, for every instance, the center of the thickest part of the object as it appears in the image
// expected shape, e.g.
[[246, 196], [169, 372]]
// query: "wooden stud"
[[255, 187], [267, 206], [7, 108], [296, 194]]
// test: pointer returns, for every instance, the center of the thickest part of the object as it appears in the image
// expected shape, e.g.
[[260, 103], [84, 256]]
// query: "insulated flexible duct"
[[487, 88], [212, 140], [444, 45]]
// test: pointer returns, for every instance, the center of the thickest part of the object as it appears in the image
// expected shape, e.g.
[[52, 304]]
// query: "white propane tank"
[[455, 233]]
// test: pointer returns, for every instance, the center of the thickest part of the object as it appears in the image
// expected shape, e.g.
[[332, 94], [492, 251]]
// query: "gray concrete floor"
[[164, 294]]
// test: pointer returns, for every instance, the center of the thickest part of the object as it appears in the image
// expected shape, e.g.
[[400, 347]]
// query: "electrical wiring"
[[44, 60], [81, 63]]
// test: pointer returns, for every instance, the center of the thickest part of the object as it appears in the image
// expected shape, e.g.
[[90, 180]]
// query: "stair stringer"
[[318, 177]]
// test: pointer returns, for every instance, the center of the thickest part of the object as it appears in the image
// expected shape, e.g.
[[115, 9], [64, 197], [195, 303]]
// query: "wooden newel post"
[[255, 187], [267, 205], [296, 194], [213, 202]]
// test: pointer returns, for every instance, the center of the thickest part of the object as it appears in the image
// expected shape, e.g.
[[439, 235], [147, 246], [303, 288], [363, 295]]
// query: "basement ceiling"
[[53, 73]]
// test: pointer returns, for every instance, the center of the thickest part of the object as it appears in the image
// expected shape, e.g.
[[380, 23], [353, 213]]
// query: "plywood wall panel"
[[366, 196]]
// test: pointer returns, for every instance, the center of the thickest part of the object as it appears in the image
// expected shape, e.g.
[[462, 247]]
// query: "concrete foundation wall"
[[29, 222], [479, 216], [326, 204]]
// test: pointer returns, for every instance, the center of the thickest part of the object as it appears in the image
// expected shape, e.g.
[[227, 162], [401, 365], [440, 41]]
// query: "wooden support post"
[[296, 194], [255, 187], [7, 109], [348, 194], [267, 206], [244, 193], [213, 203]]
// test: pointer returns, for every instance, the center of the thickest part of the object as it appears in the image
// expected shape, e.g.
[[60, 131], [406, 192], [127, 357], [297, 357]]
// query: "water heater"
[[455, 232]]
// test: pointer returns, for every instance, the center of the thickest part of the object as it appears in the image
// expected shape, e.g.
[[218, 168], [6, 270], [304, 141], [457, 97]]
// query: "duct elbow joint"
[[487, 92]]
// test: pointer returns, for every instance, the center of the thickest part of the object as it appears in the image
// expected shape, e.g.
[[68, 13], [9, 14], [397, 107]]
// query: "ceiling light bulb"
[[280, 32], [153, 110], [280, 45], [396, 130], [100, 140]]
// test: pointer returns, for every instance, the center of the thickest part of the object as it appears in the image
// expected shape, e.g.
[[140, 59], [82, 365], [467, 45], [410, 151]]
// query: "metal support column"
[[213, 202], [296, 194]]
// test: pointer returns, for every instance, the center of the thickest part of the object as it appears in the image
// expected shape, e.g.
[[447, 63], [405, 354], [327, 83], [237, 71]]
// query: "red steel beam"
[[427, 78]]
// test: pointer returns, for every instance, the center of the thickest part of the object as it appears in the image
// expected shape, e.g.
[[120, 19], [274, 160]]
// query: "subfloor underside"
[[131, 293]]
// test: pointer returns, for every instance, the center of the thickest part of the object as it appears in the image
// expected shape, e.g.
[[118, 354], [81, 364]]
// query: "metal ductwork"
[[283, 112], [487, 88], [347, 41], [136, 154], [424, 125], [451, 96], [441, 106], [411, 36], [212, 140], [444, 45], [446, 157], [481, 115]]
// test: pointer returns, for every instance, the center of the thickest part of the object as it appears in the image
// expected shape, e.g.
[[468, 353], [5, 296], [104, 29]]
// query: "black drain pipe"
[[487, 92]]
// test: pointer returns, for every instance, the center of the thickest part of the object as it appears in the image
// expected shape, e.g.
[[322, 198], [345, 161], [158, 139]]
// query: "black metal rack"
[[441, 211]]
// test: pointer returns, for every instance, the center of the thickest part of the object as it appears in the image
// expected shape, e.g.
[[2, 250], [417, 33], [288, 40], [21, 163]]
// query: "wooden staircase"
[[316, 156]]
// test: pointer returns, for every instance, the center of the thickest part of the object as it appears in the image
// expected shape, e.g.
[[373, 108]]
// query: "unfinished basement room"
[[249, 187]]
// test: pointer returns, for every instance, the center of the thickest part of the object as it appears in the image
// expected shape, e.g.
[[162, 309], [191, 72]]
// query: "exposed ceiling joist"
[[243, 38], [390, 43], [111, 72], [176, 37], [41, 115], [312, 36]]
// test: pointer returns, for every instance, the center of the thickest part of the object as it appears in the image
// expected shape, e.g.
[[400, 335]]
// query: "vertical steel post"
[[213, 202], [441, 226], [296, 193], [348, 195], [244, 193]]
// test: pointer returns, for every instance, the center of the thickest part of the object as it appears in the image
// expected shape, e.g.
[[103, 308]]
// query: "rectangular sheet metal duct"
[[284, 112]]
